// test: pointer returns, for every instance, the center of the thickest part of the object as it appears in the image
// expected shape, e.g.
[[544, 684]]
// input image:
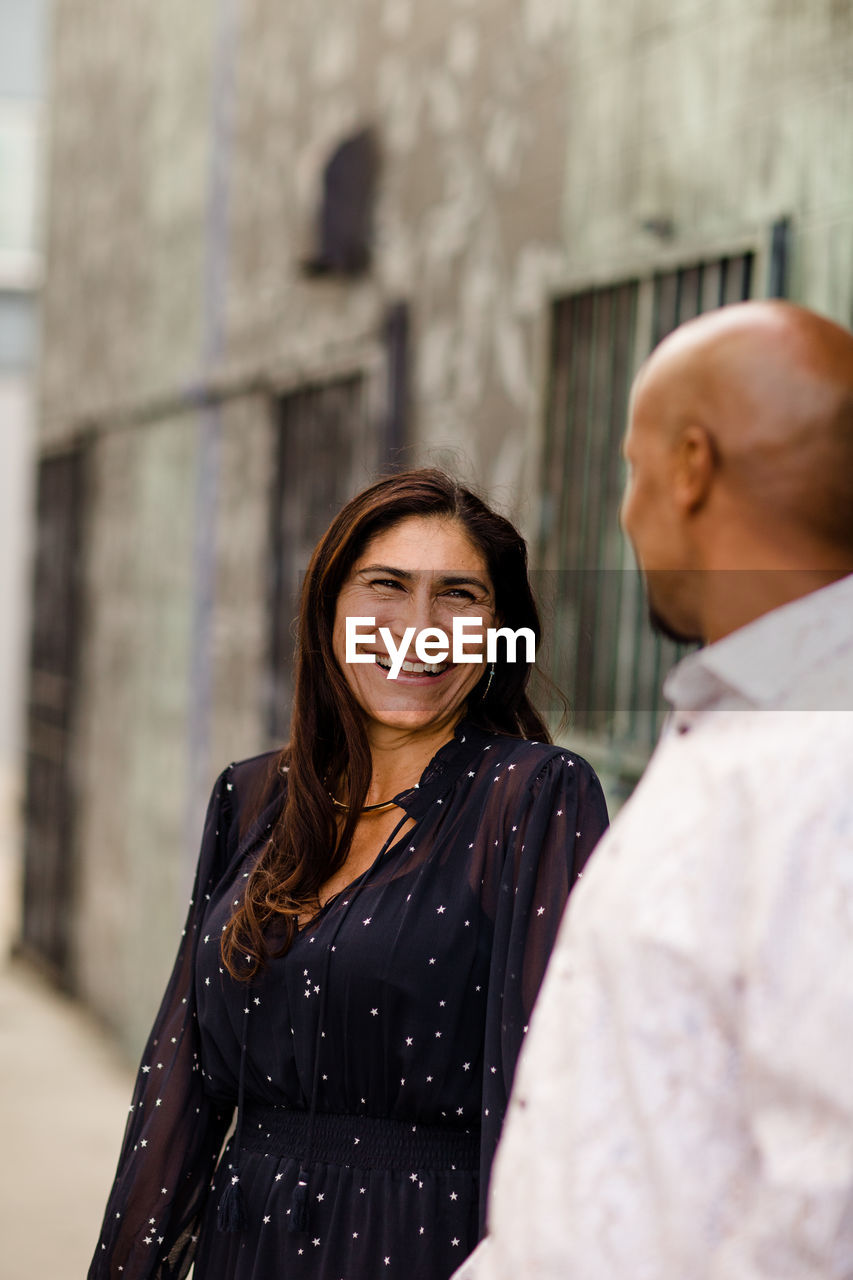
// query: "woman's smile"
[[413, 667]]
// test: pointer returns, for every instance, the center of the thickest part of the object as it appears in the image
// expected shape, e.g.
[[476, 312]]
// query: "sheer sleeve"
[[174, 1131], [550, 835]]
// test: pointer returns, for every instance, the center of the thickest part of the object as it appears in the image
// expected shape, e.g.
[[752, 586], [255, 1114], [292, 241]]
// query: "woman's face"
[[422, 572]]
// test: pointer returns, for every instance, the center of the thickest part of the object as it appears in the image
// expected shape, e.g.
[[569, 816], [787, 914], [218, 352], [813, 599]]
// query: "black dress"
[[400, 1011]]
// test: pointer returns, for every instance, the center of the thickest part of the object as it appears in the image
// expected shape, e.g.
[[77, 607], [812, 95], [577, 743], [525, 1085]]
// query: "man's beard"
[[662, 627]]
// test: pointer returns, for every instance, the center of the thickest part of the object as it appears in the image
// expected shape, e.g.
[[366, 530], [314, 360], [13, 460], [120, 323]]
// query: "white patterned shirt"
[[683, 1108]]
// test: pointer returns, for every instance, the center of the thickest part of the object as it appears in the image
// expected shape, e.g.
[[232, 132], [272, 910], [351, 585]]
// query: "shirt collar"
[[765, 659]]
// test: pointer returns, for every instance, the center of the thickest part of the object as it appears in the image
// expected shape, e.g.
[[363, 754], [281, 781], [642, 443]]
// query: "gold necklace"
[[368, 808]]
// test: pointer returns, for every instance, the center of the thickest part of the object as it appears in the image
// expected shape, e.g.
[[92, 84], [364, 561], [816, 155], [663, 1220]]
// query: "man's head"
[[740, 465]]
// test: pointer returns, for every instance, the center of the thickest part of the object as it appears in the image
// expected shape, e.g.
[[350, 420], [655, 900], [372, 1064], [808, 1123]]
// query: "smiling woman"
[[373, 913]]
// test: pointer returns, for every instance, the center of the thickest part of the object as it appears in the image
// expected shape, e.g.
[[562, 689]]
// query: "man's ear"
[[695, 465]]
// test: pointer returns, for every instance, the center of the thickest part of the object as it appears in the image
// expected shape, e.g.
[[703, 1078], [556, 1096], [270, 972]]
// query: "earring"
[[488, 682]]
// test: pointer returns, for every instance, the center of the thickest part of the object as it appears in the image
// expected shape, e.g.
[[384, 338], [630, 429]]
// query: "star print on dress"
[[441, 924]]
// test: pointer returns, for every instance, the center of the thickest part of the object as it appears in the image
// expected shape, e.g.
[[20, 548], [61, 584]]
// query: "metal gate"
[[327, 450], [603, 652], [48, 841]]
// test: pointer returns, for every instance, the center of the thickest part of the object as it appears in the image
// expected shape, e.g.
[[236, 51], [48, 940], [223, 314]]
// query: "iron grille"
[[327, 450], [603, 652]]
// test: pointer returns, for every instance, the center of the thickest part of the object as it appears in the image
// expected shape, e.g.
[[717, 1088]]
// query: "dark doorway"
[[48, 847]]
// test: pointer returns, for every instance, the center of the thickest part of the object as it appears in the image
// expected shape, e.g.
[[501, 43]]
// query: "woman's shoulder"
[[248, 786], [536, 758], [261, 767]]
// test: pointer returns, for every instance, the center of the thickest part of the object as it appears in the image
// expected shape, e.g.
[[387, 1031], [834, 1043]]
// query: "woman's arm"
[[554, 829], [174, 1132]]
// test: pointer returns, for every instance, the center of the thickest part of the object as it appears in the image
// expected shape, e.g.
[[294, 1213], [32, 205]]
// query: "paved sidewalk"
[[64, 1096]]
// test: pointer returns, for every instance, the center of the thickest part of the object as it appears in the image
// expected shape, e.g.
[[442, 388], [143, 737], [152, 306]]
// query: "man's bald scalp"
[[772, 384]]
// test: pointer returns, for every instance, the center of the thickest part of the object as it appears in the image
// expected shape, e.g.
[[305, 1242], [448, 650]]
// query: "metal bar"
[[571, 508], [566, 616], [585, 637], [724, 282], [596, 573], [556, 435], [779, 267], [748, 273]]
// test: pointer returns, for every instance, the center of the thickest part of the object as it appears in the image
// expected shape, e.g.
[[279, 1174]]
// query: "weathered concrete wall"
[[128, 189], [132, 768], [719, 117]]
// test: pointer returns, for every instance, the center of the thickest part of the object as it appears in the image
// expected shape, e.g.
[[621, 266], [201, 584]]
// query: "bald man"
[[683, 1108]]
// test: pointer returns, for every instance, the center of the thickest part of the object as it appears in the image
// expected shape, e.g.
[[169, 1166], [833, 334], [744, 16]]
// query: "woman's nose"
[[418, 609]]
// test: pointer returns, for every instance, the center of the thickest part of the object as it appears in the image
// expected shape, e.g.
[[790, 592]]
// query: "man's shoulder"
[[738, 772], [762, 741]]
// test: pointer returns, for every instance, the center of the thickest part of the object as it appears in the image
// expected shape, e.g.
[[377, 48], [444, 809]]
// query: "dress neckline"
[[435, 782], [443, 769]]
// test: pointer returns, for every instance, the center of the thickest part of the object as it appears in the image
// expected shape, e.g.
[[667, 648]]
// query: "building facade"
[[291, 244]]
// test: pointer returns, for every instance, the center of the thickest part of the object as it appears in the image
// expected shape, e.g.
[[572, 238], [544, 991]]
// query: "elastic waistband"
[[365, 1142]]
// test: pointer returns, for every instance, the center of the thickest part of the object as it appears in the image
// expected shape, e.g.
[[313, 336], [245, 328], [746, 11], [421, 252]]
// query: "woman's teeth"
[[415, 668]]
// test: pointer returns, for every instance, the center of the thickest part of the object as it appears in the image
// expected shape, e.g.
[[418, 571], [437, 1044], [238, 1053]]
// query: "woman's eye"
[[459, 597], [385, 583]]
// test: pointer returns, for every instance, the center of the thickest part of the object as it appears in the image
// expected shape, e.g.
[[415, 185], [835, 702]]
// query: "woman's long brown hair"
[[327, 735]]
